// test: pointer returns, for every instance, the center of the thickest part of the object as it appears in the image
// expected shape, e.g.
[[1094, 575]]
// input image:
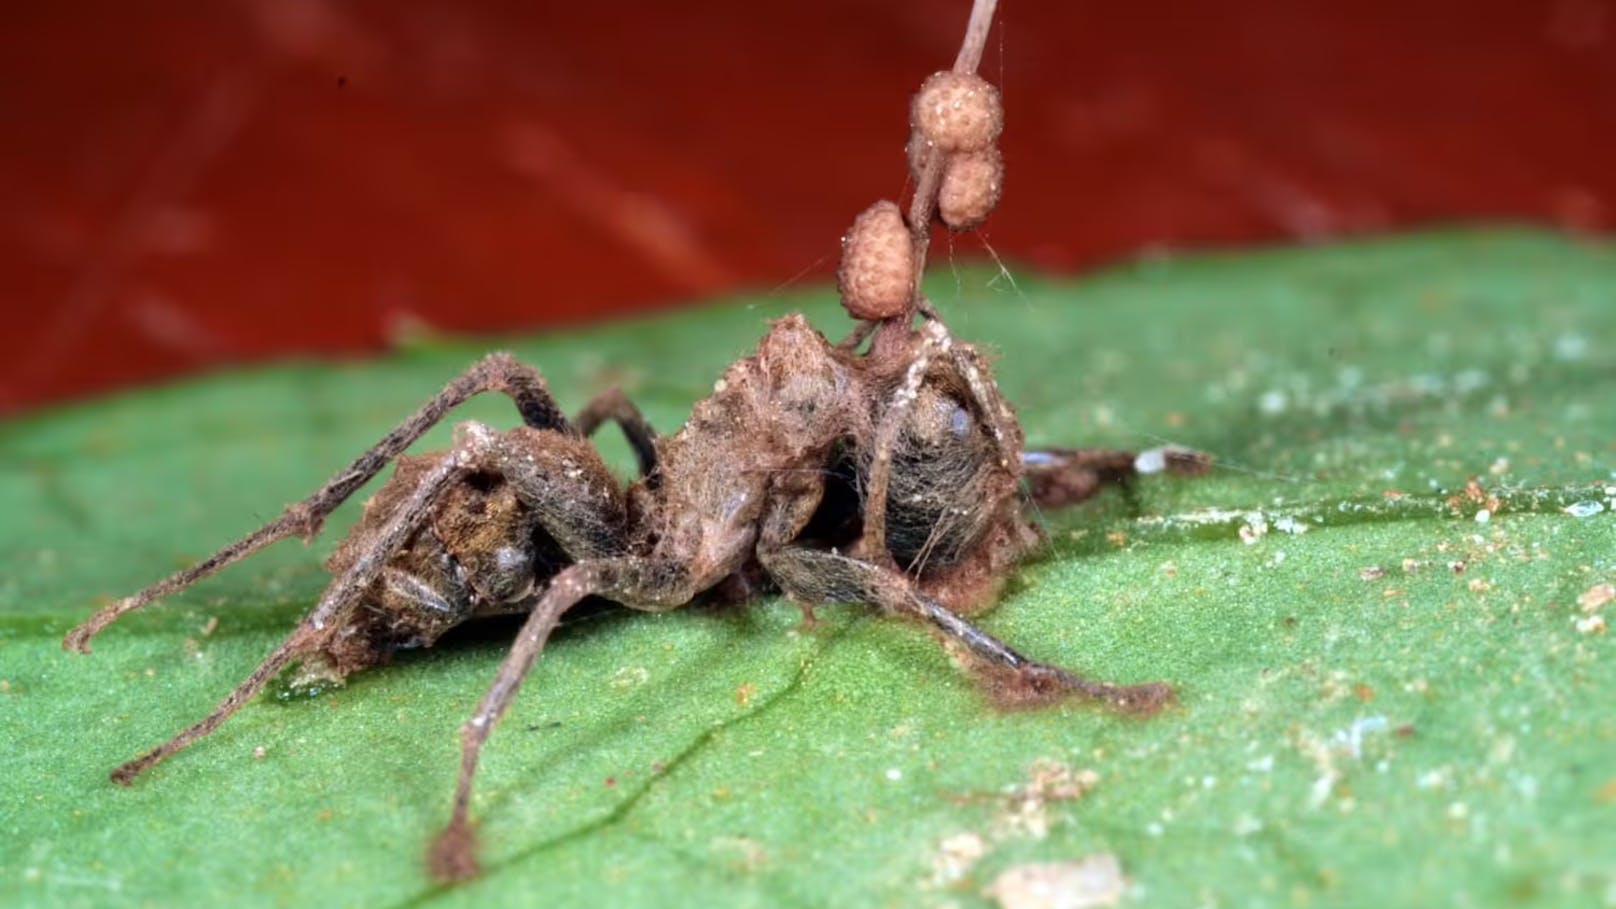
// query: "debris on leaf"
[[1584, 509], [956, 856], [1027, 810], [1088, 882], [1596, 596]]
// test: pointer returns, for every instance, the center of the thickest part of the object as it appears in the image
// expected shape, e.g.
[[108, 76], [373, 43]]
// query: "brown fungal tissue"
[[971, 185], [877, 274], [958, 112]]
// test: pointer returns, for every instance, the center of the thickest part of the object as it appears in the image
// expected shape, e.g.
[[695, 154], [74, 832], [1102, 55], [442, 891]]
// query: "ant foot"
[[453, 855]]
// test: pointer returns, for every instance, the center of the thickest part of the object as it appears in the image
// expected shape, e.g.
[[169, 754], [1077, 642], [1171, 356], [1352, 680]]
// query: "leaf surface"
[[1386, 695]]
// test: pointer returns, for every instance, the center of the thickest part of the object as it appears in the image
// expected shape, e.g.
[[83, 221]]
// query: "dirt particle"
[[1371, 572], [1053, 780], [1026, 811], [630, 677], [956, 856], [746, 854], [1592, 599], [611, 781], [1093, 881]]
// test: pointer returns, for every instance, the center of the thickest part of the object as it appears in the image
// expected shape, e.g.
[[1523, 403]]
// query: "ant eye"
[[509, 558], [960, 422]]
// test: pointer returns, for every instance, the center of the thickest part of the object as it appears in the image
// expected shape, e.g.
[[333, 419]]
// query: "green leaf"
[[1385, 698]]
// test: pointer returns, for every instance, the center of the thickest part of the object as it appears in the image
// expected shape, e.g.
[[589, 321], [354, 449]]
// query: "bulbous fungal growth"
[[972, 182], [958, 112], [877, 274]]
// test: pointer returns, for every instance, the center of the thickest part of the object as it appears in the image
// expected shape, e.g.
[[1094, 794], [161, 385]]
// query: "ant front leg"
[[612, 404], [341, 596], [813, 575], [495, 372], [966, 365], [1057, 477]]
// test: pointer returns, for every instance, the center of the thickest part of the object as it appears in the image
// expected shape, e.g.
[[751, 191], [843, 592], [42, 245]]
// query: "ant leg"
[[495, 372], [340, 595], [1065, 476], [612, 404], [873, 542], [814, 575], [1001, 420], [990, 404], [648, 584], [569, 490], [860, 333]]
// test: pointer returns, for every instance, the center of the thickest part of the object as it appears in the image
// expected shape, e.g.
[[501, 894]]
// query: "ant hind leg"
[[340, 596], [495, 372]]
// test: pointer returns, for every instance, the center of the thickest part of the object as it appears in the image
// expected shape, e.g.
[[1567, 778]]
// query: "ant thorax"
[[772, 416]]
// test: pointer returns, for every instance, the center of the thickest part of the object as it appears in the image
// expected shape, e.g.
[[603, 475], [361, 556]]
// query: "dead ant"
[[531, 520], [893, 476]]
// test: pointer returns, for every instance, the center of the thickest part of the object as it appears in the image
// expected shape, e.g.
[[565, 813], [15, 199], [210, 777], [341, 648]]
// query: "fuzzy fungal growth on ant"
[[896, 476]]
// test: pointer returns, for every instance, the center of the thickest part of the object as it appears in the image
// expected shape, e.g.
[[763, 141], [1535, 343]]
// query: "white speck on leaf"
[[1584, 509], [1290, 525], [1569, 348]]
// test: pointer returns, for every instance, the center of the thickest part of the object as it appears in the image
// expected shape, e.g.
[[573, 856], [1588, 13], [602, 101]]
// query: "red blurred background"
[[189, 183]]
